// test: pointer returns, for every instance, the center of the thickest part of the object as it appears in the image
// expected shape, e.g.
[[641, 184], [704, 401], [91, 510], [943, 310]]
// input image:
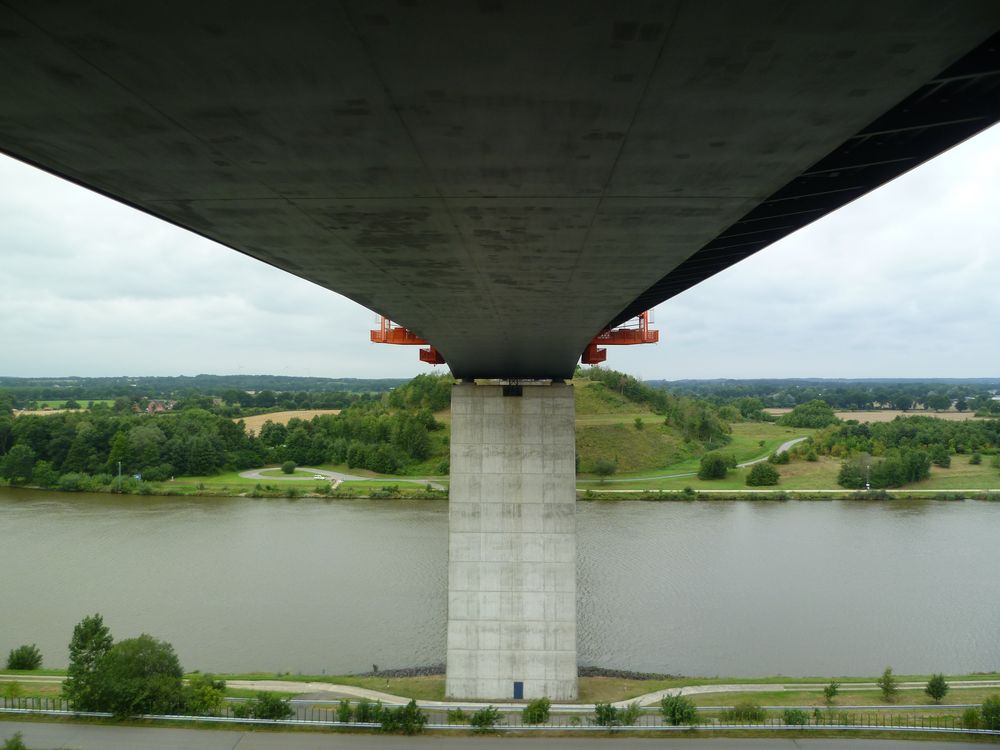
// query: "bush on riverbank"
[[24, 657], [746, 711]]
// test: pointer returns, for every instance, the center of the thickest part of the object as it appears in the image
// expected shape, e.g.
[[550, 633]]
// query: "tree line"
[[962, 395], [83, 450], [891, 454]]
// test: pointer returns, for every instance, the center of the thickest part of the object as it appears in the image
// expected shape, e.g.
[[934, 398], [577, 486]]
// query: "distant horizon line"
[[717, 379]]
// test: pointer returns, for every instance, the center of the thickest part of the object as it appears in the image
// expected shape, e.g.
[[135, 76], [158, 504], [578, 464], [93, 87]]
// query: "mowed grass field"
[[253, 424], [962, 475], [750, 440]]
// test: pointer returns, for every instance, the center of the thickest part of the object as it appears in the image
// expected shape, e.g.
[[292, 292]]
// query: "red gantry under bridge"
[[506, 180]]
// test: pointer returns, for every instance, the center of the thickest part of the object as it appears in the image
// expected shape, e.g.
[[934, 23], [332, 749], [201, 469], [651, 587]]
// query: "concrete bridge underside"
[[505, 178]]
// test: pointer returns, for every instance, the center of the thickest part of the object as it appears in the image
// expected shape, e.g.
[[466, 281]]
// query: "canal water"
[[699, 588]]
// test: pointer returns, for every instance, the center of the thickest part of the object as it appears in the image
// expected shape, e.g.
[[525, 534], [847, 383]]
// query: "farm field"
[[257, 421]]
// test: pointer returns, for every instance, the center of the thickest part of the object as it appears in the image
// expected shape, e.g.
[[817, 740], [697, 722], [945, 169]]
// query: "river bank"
[[597, 685], [408, 489]]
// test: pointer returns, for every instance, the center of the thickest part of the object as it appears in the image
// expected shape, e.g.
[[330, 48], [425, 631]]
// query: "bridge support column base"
[[512, 543]]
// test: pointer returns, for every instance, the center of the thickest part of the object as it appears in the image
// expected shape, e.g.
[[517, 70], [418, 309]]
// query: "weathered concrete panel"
[[512, 543]]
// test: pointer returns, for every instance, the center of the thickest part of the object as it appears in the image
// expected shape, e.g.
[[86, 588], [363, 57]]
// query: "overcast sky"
[[902, 283]]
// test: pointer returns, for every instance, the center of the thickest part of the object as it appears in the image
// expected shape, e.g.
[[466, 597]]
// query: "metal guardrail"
[[866, 722]]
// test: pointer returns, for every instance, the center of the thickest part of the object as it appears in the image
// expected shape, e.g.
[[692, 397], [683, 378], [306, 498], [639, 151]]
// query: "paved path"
[[97, 737], [649, 699], [334, 476], [780, 449], [318, 689]]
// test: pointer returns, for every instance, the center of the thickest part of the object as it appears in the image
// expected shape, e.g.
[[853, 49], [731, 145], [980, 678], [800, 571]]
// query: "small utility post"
[[119, 477]]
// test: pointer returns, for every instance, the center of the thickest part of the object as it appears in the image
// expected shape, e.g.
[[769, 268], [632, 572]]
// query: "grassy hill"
[[606, 428]]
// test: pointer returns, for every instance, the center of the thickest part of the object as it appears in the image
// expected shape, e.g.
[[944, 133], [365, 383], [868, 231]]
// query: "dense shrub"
[[204, 695], [485, 719], [367, 712], [288, 467], [24, 657], [408, 719], [762, 475], [713, 466], [537, 711], [745, 710], [16, 742], [971, 718], [265, 705], [344, 711], [606, 715], [795, 717], [989, 714], [457, 716], [815, 413], [678, 710]]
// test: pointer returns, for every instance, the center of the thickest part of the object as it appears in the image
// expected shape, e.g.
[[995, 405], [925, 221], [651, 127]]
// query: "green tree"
[[204, 695], [989, 714], [139, 676], [830, 692], [937, 401], [678, 710], [888, 684], [344, 711], [15, 742], [639, 424], [91, 641], [937, 688], [537, 711], [288, 467], [940, 456], [604, 468], [762, 474], [17, 464], [975, 459], [24, 657], [713, 466]]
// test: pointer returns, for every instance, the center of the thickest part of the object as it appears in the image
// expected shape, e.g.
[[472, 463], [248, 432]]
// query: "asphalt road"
[[42, 736]]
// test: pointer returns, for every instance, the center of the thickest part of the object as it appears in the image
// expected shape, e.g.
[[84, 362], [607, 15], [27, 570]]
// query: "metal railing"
[[310, 713]]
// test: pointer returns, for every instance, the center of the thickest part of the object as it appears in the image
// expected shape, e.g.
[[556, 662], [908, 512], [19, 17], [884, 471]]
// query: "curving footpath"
[[648, 699], [780, 449]]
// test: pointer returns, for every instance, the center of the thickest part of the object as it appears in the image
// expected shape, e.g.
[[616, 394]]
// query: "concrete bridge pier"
[[512, 543]]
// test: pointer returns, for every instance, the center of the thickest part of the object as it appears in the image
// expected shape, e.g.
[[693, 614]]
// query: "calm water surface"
[[716, 588]]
